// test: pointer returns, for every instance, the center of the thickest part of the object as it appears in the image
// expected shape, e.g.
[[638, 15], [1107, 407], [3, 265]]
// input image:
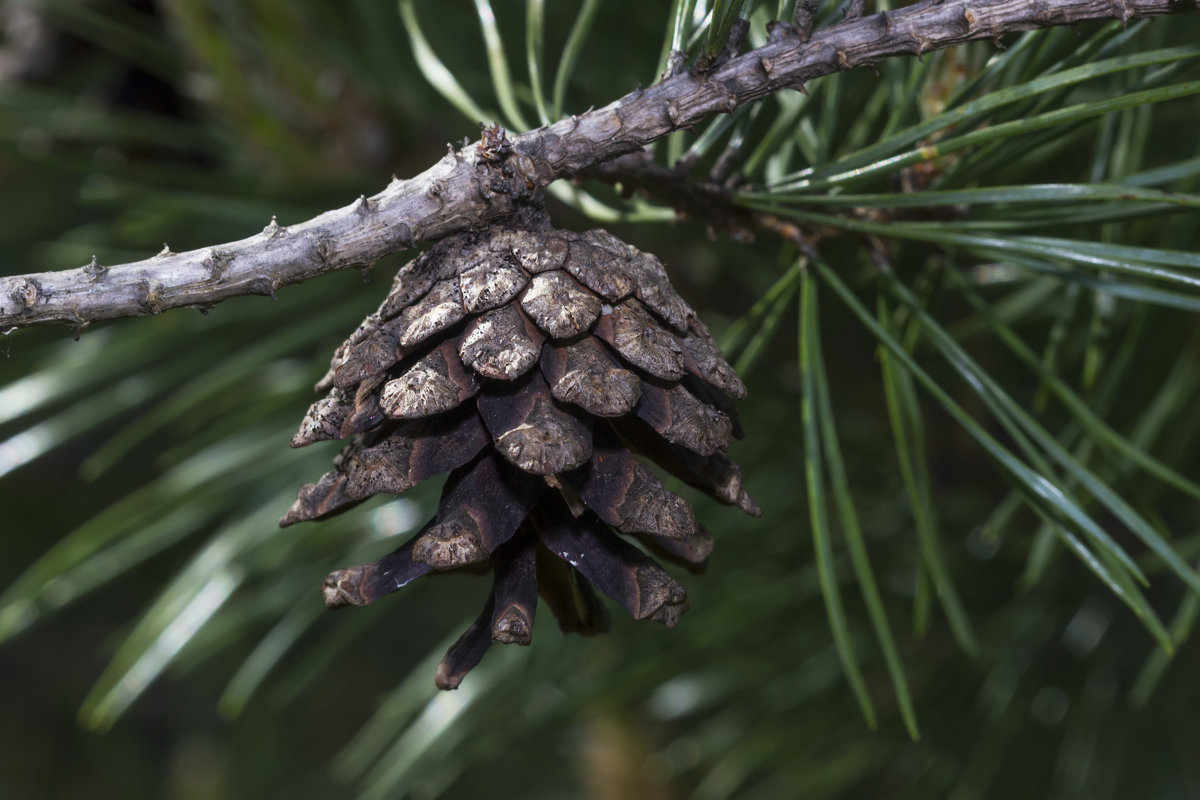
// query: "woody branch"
[[469, 188]]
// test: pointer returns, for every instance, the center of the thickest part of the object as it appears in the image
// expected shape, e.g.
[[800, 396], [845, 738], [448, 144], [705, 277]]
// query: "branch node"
[[267, 285], [778, 30], [150, 301], [365, 206], [673, 113], [274, 230], [493, 144], [676, 64], [803, 18], [325, 250], [437, 191], [216, 264], [484, 189], [1126, 14], [404, 234], [526, 169], [731, 98], [26, 294], [767, 68], [738, 31], [95, 270], [704, 63]]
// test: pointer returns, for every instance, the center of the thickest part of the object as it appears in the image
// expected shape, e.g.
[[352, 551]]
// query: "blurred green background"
[[161, 637]]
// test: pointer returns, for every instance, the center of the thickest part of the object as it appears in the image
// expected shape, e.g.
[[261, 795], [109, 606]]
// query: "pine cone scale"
[[601, 271], [691, 553], [532, 432], [641, 341], [702, 358], [502, 344], [414, 452], [585, 375], [324, 419], [367, 583], [515, 590], [625, 493], [559, 304], [366, 411], [487, 286], [681, 419], [433, 384], [465, 654], [481, 509], [570, 598], [616, 568], [413, 282], [715, 474]]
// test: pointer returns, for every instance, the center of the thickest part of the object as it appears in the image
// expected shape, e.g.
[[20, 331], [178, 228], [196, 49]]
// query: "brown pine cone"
[[530, 363]]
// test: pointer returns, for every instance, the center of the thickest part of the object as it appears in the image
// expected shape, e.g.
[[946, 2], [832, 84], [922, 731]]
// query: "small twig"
[[467, 189]]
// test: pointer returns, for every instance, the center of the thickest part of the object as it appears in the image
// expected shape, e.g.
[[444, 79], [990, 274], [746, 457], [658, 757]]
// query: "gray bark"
[[471, 187]]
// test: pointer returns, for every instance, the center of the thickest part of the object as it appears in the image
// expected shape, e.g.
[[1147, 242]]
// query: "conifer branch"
[[478, 184]]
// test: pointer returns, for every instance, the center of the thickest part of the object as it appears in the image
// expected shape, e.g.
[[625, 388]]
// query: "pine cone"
[[530, 363]]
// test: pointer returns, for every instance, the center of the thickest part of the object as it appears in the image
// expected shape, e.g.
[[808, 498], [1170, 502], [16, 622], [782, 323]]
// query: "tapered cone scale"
[[489, 285], [392, 461], [367, 583], [324, 418], [367, 412], [625, 493], [691, 553], [482, 506], [515, 591], [680, 418], [702, 358], [715, 474], [530, 364], [570, 597], [465, 654], [615, 567]]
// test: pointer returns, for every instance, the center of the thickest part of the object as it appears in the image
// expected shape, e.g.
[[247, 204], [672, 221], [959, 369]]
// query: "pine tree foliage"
[[961, 290]]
